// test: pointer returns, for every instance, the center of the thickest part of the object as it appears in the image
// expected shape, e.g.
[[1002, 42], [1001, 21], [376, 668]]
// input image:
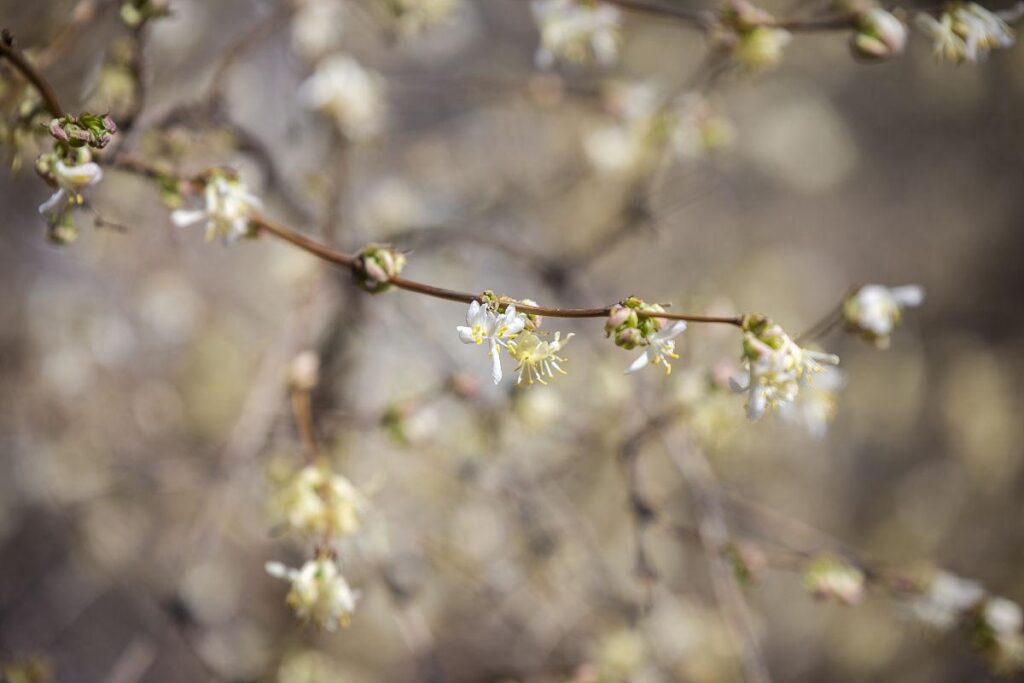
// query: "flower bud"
[[879, 35], [629, 338], [617, 316], [378, 264]]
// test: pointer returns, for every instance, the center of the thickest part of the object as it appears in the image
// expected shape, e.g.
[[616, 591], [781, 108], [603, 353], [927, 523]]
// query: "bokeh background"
[[143, 407]]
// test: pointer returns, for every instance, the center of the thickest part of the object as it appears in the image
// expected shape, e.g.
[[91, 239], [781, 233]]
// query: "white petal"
[[185, 217], [474, 311], [908, 295], [639, 363], [495, 363], [51, 203], [739, 386], [276, 569], [757, 404], [465, 334]]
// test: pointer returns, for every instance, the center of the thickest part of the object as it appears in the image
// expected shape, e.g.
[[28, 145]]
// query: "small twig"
[[31, 74]]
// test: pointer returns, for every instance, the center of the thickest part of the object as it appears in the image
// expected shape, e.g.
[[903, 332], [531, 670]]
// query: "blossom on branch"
[[71, 179], [353, 97], [318, 503], [319, 593], [965, 32], [776, 366], [873, 311], [483, 324], [577, 31], [228, 206], [661, 348], [536, 357]]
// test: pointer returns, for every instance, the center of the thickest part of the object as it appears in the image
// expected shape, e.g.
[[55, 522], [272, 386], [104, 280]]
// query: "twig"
[[31, 74]]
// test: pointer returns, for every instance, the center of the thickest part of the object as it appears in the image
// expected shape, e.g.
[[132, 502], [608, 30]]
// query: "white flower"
[[661, 348], [946, 598], [761, 48], [576, 31], [623, 145], [484, 325], [830, 577], [965, 33], [71, 179], [1003, 616], [874, 310], [319, 593], [815, 407], [698, 129], [777, 367], [317, 27], [351, 95], [227, 207], [537, 358], [318, 502]]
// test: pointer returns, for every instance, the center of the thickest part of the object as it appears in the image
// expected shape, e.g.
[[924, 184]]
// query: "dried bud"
[[879, 35], [533, 321]]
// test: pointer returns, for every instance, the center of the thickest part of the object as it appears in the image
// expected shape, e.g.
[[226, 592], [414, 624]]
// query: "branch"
[[31, 74]]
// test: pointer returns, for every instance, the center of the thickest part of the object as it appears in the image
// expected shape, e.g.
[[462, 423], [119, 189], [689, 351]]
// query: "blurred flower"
[[879, 35], [319, 593], [760, 48], [699, 129], [483, 324], [830, 577], [71, 179], [627, 143], [945, 598], [317, 27], [227, 207], [319, 503], [537, 358], [815, 407], [576, 31], [351, 95], [777, 367], [1002, 639], [874, 310], [661, 348], [965, 32]]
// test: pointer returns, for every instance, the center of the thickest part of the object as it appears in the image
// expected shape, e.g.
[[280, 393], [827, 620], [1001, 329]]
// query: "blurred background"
[[144, 408]]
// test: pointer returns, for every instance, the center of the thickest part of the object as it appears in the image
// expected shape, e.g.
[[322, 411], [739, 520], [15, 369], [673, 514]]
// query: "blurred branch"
[[18, 60]]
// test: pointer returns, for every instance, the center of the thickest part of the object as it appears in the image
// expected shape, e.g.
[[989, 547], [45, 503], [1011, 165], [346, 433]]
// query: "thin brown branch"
[[31, 73]]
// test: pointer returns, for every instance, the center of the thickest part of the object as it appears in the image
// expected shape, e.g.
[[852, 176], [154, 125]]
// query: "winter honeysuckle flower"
[[874, 310], [699, 129], [831, 577], [660, 348], [945, 598], [776, 365], [483, 325], [536, 357], [965, 32], [71, 179], [227, 208], [352, 96], [319, 593], [319, 503], [577, 31], [760, 48], [815, 407], [625, 144], [879, 35], [317, 27]]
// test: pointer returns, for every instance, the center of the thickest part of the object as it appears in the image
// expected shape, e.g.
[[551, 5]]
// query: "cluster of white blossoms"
[[873, 311], [227, 207], [577, 31], [537, 359], [995, 624], [319, 593], [350, 95], [70, 177], [965, 32], [634, 323], [318, 503], [777, 367]]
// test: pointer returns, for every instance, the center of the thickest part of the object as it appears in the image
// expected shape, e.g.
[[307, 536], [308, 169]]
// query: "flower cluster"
[[319, 593], [69, 175], [829, 577], [965, 32], [318, 503], [350, 95], [227, 208], [536, 358], [379, 263], [994, 624], [634, 323], [873, 311], [577, 31], [746, 32], [777, 367], [879, 35]]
